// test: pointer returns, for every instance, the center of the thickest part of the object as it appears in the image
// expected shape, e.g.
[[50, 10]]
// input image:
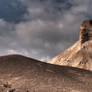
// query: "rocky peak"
[[85, 31], [80, 54]]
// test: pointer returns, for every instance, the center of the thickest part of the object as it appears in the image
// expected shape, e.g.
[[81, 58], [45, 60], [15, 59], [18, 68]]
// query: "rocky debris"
[[6, 87], [80, 54]]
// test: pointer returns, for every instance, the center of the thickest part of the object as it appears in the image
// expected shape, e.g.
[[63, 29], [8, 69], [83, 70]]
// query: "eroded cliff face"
[[80, 54]]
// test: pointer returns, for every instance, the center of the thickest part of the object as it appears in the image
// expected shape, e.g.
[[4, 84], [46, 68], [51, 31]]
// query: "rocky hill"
[[22, 74], [80, 54]]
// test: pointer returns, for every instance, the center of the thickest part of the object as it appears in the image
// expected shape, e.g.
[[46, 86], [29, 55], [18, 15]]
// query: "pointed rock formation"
[[80, 54]]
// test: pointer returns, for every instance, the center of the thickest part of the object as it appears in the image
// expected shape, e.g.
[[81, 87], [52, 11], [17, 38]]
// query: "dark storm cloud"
[[46, 9], [5, 28], [51, 26], [12, 10]]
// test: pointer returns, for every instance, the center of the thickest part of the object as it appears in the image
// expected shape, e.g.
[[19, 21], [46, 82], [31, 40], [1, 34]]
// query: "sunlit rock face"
[[80, 54]]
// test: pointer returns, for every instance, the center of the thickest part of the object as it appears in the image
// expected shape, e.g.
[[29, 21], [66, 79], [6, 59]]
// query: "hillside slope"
[[28, 75]]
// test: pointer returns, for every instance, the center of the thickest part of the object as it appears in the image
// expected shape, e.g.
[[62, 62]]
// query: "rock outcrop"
[[86, 31], [80, 54]]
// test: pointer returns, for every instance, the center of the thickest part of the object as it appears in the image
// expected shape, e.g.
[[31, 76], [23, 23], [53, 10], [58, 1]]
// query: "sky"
[[41, 29]]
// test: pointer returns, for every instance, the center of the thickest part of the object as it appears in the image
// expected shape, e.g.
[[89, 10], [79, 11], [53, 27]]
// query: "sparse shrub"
[[7, 85], [11, 90], [27, 91]]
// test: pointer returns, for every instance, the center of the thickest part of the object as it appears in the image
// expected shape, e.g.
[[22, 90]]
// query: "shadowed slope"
[[28, 74]]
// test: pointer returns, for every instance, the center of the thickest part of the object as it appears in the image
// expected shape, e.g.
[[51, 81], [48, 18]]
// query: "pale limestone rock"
[[80, 54]]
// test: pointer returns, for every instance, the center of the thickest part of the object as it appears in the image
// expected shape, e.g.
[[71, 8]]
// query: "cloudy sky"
[[41, 29]]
